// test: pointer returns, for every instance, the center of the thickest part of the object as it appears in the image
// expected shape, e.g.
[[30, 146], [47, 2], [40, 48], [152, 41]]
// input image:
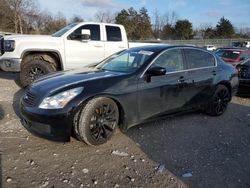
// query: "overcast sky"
[[197, 11]]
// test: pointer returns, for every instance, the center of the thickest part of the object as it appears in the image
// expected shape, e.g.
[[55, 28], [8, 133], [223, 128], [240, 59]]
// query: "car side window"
[[199, 59], [171, 60], [113, 33], [94, 30]]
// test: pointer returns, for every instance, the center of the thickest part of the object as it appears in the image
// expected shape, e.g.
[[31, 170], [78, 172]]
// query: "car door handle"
[[122, 47], [214, 72], [98, 46]]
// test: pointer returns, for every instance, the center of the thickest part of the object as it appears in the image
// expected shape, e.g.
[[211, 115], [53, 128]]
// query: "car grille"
[[1, 46], [29, 98], [244, 72]]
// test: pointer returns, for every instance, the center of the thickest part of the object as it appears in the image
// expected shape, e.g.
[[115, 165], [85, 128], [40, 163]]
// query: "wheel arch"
[[227, 85], [121, 121], [45, 54]]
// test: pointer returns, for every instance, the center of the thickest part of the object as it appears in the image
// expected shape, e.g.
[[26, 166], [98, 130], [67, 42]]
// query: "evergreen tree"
[[167, 32], [137, 25], [225, 28], [183, 30]]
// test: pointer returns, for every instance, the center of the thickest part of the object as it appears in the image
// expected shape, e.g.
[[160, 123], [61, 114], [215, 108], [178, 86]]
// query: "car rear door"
[[163, 93], [201, 74]]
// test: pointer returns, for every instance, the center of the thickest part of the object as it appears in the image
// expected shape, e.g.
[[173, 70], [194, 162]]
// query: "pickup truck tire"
[[32, 70], [96, 122]]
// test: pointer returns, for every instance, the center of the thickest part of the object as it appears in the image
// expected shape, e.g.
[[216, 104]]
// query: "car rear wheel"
[[218, 105], [96, 121]]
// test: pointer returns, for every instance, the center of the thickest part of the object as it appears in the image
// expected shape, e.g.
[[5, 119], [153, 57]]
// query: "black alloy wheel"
[[96, 122], [102, 122], [219, 102]]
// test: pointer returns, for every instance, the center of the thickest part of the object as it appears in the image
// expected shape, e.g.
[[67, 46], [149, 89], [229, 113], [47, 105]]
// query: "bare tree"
[[76, 19], [163, 21], [19, 9], [105, 16], [202, 30]]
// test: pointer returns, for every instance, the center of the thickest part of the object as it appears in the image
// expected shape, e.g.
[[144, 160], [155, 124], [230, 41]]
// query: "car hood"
[[32, 38], [56, 81]]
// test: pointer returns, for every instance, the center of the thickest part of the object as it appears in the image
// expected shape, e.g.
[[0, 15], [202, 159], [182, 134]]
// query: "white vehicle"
[[210, 47], [72, 47], [246, 44]]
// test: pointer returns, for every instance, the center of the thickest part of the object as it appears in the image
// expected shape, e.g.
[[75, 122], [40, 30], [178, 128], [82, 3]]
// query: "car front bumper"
[[53, 125], [10, 64]]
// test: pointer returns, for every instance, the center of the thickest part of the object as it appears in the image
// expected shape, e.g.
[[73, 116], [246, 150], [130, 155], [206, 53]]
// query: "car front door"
[[79, 53], [165, 93], [201, 74]]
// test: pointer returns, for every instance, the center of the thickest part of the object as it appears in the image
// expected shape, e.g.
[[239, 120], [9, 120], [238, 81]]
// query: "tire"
[[32, 70], [96, 122], [219, 102]]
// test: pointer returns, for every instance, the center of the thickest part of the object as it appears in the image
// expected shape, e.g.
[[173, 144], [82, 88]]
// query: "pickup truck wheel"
[[218, 105], [33, 70], [97, 121]]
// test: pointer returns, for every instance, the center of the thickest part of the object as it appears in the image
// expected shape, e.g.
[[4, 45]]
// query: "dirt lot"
[[211, 151]]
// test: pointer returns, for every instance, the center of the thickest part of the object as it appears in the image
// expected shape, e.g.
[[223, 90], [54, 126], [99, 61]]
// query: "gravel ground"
[[191, 150]]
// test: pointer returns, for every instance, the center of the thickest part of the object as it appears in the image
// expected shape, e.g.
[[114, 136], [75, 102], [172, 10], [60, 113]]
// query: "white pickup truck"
[[74, 46]]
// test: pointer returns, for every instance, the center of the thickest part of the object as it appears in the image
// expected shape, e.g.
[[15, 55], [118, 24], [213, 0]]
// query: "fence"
[[200, 42]]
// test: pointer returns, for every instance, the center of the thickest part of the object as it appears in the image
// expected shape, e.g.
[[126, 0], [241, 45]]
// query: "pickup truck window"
[[94, 32], [113, 33], [63, 30]]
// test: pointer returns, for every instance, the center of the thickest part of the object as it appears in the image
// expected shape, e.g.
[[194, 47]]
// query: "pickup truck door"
[[116, 39], [79, 53]]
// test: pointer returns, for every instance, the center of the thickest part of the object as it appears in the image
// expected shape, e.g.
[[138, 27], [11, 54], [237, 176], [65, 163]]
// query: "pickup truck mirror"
[[85, 35]]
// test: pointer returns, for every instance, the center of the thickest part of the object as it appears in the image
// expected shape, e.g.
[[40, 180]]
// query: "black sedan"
[[128, 88], [244, 78]]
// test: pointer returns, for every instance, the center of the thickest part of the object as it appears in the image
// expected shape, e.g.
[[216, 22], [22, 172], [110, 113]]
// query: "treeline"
[[24, 16]]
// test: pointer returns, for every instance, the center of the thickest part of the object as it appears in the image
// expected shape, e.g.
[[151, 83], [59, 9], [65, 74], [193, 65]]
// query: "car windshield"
[[63, 30], [127, 61], [230, 54]]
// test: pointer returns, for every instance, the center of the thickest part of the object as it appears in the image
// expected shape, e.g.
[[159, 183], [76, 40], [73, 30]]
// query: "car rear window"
[[199, 59]]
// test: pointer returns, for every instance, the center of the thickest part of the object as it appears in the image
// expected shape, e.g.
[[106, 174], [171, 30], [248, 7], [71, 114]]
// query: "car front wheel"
[[96, 121]]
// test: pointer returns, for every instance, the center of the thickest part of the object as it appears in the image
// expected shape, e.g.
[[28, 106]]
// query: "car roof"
[[162, 47]]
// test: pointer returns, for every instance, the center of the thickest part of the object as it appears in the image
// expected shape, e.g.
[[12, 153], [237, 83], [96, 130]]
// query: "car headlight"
[[9, 45], [61, 99]]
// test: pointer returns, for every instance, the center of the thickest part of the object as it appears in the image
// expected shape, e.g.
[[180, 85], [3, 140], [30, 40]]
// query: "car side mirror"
[[85, 35], [156, 71]]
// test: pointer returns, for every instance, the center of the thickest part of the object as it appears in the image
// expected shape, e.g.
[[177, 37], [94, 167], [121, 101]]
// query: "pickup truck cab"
[[74, 46]]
